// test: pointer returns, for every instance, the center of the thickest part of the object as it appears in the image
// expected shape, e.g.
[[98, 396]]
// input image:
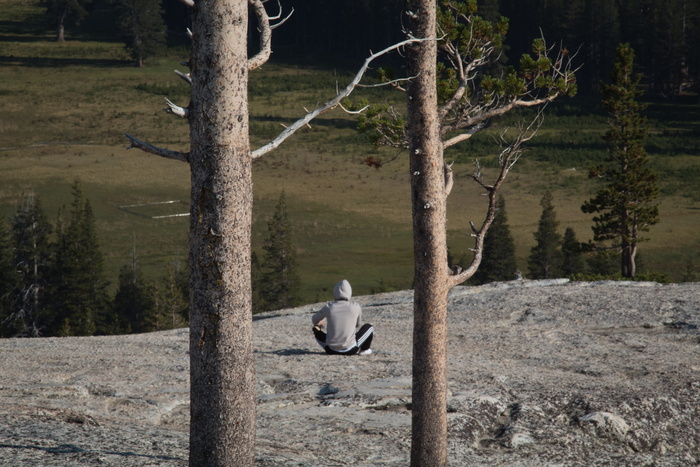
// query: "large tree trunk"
[[222, 373], [429, 424]]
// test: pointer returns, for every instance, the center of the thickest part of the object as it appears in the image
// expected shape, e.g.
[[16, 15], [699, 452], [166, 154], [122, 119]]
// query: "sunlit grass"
[[66, 107]]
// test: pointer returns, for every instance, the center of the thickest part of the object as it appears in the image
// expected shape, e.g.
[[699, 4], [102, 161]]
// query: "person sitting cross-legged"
[[342, 319]]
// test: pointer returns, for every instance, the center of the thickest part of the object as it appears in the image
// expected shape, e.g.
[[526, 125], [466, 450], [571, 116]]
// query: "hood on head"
[[342, 290]]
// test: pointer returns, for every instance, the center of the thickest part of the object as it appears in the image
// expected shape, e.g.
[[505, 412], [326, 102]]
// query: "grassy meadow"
[[65, 107]]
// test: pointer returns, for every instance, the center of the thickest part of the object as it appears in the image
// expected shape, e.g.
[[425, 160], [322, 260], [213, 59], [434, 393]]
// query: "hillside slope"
[[540, 373]]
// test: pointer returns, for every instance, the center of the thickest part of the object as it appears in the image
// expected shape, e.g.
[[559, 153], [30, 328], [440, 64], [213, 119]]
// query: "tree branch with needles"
[[468, 104], [508, 156]]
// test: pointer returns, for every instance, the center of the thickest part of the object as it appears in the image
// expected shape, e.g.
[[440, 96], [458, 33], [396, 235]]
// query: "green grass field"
[[65, 107]]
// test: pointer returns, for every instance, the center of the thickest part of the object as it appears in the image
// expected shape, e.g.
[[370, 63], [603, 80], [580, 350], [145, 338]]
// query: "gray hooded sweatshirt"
[[342, 318]]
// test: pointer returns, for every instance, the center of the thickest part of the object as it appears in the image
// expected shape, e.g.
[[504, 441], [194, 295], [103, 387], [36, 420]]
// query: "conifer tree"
[[280, 282], [7, 283], [603, 262], [573, 261], [545, 257], [625, 206], [64, 12], [170, 302], [498, 262], [142, 27], [31, 262], [690, 271], [134, 301], [79, 290]]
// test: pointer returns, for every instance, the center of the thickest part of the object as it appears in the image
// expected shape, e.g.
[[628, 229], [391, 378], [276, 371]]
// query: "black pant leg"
[[364, 336]]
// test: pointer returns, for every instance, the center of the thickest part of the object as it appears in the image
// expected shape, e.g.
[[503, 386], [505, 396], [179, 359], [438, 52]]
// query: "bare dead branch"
[[507, 159], [263, 54], [393, 83], [352, 112], [278, 16], [174, 109], [485, 115], [149, 148], [185, 76], [331, 104], [466, 135], [449, 179], [265, 28]]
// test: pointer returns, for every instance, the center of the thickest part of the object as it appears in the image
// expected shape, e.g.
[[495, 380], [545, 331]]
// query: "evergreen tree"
[[546, 257], [666, 36], [7, 283], [171, 307], [573, 261], [65, 12], [498, 262], [280, 282], [625, 204], [31, 261], [134, 302], [79, 290], [142, 27], [690, 272], [603, 262]]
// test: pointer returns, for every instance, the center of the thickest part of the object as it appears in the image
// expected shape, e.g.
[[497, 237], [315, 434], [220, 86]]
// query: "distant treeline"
[[52, 281], [664, 35]]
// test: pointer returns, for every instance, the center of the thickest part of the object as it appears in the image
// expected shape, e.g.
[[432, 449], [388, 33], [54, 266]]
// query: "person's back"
[[342, 319]]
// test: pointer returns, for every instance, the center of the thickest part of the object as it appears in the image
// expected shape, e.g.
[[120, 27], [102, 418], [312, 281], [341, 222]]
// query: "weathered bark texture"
[[222, 372], [429, 424]]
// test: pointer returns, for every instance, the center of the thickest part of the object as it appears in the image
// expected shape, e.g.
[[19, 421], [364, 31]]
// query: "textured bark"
[[429, 424], [222, 373]]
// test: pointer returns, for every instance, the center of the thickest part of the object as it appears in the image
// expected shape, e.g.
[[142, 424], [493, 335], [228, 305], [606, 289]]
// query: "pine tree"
[[690, 271], [7, 283], [142, 26], [31, 262], [64, 12], [573, 261], [79, 290], [171, 306], [603, 262], [134, 302], [545, 257], [625, 205], [498, 263], [280, 282]]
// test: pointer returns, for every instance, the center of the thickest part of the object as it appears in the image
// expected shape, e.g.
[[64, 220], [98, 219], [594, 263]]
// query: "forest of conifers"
[[665, 35]]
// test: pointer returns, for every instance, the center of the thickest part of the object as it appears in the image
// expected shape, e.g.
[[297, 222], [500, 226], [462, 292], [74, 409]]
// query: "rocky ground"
[[540, 374]]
